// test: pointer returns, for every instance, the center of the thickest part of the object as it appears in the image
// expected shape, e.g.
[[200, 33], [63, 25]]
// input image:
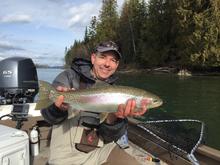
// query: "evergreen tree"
[[108, 21], [130, 25], [92, 28], [156, 33], [124, 32], [78, 50], [180, 33], [92, 39], [86, 36], [198, 39]]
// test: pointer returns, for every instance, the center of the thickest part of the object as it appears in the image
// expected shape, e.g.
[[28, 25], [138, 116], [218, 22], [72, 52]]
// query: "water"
[[48, 74], [189, 98]]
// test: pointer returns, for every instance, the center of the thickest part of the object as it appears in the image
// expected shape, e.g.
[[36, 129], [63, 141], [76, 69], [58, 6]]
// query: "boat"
[[141, 145]]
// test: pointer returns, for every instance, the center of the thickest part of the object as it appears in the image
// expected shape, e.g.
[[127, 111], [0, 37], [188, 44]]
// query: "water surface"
[[48, 74], [196, 97]]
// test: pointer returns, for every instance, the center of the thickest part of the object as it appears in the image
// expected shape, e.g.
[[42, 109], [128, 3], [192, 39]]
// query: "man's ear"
[[93, 56]]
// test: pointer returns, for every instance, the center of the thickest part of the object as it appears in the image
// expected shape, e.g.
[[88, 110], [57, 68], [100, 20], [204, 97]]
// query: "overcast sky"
[[41, 29]]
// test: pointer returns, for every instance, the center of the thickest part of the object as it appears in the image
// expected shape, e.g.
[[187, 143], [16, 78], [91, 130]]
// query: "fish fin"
[[43, 96], [103, 116], [43, 104]]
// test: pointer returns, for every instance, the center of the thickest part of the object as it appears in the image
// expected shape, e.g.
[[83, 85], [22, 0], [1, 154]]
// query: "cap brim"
[[105, 49]]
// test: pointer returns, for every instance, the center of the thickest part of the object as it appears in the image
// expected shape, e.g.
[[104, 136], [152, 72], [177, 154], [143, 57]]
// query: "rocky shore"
[[170, 70]]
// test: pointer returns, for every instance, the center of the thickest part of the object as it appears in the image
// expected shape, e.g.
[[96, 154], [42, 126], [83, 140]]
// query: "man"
[[88, 138]]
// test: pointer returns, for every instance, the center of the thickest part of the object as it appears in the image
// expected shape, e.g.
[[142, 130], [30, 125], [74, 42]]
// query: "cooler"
[[14, 146]]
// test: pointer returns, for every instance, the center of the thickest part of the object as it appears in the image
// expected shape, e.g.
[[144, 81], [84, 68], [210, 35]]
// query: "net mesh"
[[180, 136]]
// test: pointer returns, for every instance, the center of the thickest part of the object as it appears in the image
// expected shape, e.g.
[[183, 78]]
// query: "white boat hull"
[[6, 109]]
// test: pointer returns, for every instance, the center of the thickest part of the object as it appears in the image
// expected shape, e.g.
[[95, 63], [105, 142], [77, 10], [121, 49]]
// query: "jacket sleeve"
[[112, 132], [53, 115]]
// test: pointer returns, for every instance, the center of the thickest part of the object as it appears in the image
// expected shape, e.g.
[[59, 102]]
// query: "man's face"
[[104, 64]]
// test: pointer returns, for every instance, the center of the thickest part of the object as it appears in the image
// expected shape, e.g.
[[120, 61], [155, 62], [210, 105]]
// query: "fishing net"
[[181, 136]]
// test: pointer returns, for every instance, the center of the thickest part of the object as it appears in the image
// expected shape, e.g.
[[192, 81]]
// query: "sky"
[[42, 29]]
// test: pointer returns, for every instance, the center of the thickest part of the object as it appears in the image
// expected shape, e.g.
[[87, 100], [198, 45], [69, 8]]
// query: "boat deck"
[[140, 146], [141, 155]]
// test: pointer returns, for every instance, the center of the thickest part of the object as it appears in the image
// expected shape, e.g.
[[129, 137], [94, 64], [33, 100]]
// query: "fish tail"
[[43, 100]]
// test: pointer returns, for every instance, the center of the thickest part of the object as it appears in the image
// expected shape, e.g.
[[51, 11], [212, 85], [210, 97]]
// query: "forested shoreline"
[[183, 34]]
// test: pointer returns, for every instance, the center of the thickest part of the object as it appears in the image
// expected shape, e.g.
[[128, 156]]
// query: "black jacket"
[[79, 76]]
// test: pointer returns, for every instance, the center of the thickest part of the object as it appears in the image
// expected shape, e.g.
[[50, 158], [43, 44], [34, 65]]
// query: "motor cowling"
[[18, 81]]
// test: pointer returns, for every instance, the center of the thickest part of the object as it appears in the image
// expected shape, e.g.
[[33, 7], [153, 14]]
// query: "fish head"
[[151, 100]]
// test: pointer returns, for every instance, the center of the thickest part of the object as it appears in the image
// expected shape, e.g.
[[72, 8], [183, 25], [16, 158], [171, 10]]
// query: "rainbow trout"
[[97, 99]]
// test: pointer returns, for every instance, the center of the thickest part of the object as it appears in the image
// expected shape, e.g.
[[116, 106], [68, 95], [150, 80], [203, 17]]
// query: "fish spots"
[[51, 94]]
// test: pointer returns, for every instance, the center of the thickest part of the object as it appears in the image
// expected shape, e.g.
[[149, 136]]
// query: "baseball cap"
[[108, 46]]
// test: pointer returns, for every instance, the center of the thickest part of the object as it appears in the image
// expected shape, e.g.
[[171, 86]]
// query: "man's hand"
[[60, 100], [129, 109]]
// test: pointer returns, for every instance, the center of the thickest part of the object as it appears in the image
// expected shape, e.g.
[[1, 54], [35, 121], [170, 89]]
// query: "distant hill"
[[47, 66]]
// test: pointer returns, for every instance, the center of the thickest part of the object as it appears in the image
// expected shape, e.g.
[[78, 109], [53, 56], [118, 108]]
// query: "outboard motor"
[[18, 86], [18, 81]]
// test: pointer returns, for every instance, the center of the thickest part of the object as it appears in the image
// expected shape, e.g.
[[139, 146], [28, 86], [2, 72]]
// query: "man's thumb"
[[59, 101]]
